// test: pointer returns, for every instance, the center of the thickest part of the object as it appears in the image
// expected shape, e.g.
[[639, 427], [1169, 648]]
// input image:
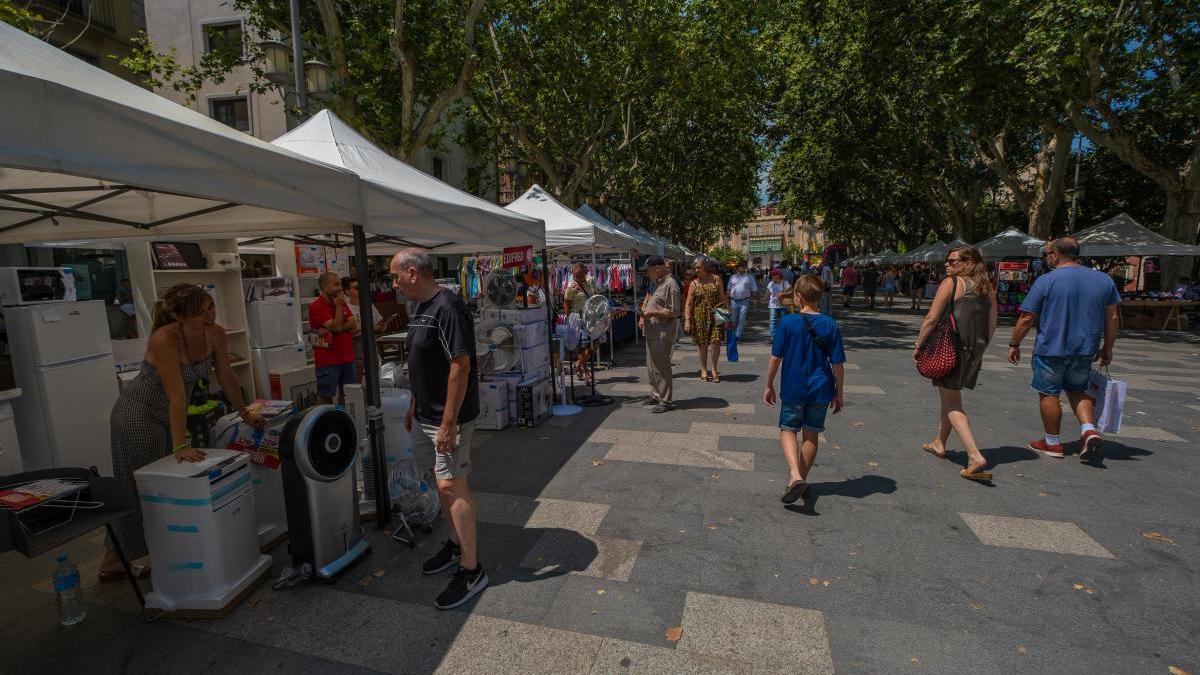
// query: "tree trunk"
[[1181, 223], [1052, 161]]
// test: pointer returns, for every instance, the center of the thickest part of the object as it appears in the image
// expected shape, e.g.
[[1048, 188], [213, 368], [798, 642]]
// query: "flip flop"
[[716, 377], [929, 448], [795, 491], [978, 476]]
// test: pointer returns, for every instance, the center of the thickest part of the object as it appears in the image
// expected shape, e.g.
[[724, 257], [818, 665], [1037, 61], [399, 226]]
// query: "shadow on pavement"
[[702, 403], [854, 488]]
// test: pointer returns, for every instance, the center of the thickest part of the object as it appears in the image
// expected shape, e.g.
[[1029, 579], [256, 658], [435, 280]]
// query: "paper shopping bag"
[[1108, 396]]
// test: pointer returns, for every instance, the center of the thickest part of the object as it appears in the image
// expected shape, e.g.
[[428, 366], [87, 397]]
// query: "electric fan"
[[496, 347], [568, 340], [595, 320], [500, 289]]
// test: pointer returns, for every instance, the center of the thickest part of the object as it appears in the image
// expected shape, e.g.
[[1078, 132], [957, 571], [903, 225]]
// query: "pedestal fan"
[[568, 341], [496, 347], [500, 290], [596, 319]]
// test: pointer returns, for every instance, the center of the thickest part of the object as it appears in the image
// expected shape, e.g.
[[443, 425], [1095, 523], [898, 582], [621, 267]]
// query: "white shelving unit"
[[150, 284]]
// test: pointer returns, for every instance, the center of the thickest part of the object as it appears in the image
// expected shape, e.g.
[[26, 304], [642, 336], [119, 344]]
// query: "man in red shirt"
[[335, 326]]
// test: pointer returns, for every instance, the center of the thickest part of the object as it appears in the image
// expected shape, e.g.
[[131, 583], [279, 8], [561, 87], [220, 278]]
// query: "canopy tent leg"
[[383, 502], [549, 318]]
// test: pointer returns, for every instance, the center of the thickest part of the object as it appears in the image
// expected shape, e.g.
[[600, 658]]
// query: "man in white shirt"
[[742, 288]]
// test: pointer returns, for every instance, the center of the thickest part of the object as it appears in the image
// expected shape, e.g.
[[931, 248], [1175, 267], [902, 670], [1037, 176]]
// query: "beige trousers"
[[660, 340]]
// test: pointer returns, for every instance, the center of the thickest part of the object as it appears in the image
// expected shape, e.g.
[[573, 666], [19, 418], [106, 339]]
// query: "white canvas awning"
[[566, 230], [85, 155], [1122, 236], [430, 213], [914, 255], [644, 245], [1011, 243]]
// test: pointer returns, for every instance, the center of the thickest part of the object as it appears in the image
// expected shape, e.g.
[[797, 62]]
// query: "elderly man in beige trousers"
[[660, 324]]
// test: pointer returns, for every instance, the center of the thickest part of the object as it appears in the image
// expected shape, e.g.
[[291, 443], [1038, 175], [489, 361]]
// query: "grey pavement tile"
[[774, 638], [1147, 434], [864, 389], [492, 645], [583, 517], [639, 612], [619, 657], [1037, 535], [765, 431], [666, 454], [874, 646], [560, 551]]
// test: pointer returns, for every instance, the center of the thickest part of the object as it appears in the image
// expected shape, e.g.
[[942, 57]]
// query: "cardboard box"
[[518, 317], [534, 403], [532, 335], [493, 405], [535, 358], [296, 384]]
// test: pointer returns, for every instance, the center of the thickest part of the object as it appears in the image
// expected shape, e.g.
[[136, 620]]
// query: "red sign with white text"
[[518, 256]]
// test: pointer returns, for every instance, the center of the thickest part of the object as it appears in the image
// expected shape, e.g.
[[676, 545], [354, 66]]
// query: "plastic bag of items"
[[415, 496]]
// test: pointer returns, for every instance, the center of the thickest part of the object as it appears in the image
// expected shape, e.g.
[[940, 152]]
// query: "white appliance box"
[[273, 322]]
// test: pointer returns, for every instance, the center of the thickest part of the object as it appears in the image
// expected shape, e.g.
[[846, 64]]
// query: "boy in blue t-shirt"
[[808, 345]]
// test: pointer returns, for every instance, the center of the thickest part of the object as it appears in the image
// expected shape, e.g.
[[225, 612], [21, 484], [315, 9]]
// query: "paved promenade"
[[620, 541]]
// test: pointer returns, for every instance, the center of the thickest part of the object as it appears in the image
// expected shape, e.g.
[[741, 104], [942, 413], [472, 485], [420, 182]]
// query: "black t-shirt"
[[439, 330], [870, 278]]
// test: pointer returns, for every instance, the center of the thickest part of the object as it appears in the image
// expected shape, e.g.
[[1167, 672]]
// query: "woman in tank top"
[[186, 349], [975, 313]]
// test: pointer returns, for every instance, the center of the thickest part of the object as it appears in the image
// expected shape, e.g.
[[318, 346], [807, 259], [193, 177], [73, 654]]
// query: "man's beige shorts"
[[445, 467]]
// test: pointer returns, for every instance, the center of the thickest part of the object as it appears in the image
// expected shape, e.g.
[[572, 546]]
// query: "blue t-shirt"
[[806, 375], [1070, 303]]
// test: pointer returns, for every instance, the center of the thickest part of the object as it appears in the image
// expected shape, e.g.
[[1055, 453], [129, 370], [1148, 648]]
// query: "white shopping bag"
[[1109, 397]]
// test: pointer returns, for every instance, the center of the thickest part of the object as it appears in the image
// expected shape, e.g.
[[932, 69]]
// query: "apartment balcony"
[[100, 13]]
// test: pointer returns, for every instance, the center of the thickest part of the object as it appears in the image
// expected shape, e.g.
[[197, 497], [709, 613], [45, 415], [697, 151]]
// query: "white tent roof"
[[1122, 235], [431, 213], [565, 229], [85, 155], [644, 245], [884, 256], [1011, 243], [914, 255]]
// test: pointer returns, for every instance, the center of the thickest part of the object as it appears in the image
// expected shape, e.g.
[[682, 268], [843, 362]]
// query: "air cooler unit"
[[318, 450]]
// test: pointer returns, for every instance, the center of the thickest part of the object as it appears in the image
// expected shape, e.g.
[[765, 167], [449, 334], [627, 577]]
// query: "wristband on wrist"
[[1015, 346], [181, 446]]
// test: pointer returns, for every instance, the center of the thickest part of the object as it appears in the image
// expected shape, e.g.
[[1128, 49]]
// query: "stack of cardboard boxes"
[[523, 396]]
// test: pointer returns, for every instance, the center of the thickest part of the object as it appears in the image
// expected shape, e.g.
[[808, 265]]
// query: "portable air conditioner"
[[199, 520], [317, 452]]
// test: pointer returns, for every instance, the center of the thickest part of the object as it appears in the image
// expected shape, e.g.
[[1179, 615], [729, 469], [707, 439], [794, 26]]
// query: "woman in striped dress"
[[149, 420]]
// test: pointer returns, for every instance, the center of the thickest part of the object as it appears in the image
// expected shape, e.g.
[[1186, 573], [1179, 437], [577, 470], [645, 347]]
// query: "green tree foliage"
[[19, 15], [399, 65], [726, 255], [1130, 74]]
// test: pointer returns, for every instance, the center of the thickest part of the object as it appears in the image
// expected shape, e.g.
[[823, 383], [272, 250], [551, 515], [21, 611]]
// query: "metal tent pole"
[[549, 318], [383, 502]]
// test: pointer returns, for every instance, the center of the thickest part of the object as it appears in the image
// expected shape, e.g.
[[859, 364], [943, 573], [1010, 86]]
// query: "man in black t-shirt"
[[445, 403]]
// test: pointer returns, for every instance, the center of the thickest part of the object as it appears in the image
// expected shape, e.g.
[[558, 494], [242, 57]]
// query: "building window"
[[232, 111], [437, 167], [223, 37]]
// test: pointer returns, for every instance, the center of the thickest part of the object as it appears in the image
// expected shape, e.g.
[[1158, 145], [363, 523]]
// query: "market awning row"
[[85, 155]]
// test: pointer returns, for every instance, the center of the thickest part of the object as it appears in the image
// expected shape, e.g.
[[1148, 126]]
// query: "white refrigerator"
[[276, 343], [62, 359]]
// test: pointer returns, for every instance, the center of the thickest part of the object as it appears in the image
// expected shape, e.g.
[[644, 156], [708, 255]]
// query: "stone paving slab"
[[590, 556], [1038, 535], [775, 638], [618, 657]]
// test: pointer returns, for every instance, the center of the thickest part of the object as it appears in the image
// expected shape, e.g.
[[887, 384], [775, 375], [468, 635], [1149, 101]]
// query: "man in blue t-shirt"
[[1075, 308], [808, 346]]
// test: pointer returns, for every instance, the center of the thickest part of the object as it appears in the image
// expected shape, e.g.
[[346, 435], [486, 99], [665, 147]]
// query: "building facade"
[[192, 27], [769, 238], [95, 31]]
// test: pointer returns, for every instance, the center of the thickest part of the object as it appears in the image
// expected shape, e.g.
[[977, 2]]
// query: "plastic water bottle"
[[70, 596]]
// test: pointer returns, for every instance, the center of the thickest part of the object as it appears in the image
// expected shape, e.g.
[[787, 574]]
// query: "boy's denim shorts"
[[1055, 374], [797, 417]]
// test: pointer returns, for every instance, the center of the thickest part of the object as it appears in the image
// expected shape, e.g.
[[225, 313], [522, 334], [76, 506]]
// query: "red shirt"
[[340, 347]]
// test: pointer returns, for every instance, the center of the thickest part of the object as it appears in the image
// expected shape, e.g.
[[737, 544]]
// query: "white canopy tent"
[[1011, 243], [433, 214], [914, 255], [566, 230], [643, 245], [884, 257], [85, 155], [1121, 235]]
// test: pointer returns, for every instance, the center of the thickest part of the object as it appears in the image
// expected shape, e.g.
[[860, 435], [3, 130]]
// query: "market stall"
[[1013, 255], [1122, 237], [89, 156]]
